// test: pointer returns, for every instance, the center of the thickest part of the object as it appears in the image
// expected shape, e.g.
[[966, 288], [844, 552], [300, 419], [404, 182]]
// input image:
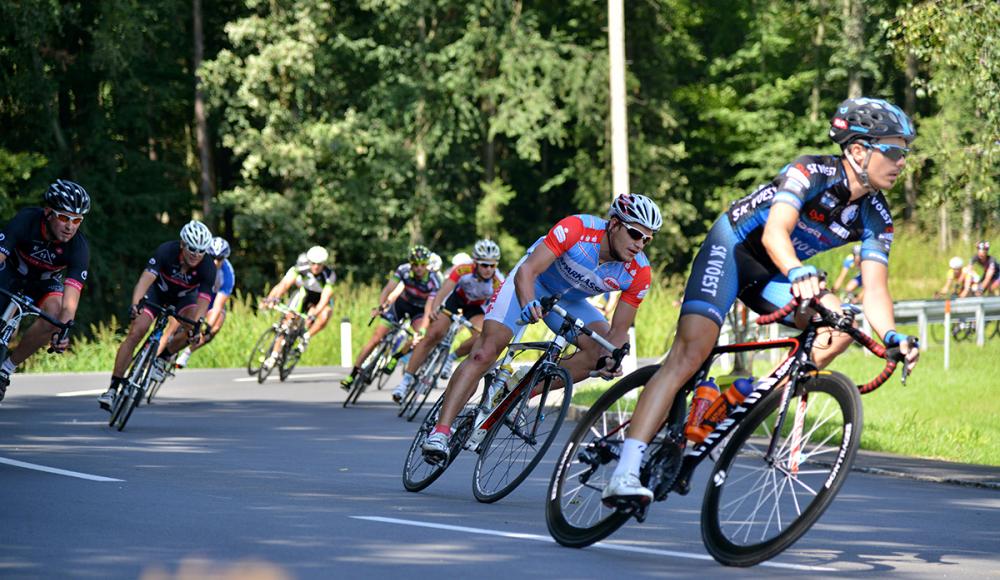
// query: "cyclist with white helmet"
[[177, 275], [581, 256], [960, 281], [408, 293], [991, 269], [225, 282], [314, 281], [466, 289], [755, 252], [44, 256]]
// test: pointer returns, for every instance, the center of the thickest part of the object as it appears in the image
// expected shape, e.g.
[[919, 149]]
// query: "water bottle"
[[498, 388], [725, 404], [705, 394]]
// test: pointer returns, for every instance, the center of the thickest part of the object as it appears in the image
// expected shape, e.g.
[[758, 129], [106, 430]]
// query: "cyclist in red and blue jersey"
[[177, 275], [409, 292], [581, 256], [755, 252], [44, 256], [467, 288], [225, 283]]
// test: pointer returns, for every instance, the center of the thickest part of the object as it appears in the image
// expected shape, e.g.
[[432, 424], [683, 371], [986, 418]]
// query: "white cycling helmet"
[[196, 236], [634, 208], [434, 263], [461, 258], [317, 255], [956, 263], [486, 250]]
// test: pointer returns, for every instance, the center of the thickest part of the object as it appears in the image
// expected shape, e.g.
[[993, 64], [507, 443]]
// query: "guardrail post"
[[947, 332], [345, 342], [980, 324], [922, 323]]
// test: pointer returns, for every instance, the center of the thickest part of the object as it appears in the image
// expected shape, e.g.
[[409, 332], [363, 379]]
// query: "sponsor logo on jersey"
[[612, 283], [829, 201], [827, 170], [840, 230], [882, 210], [560, 233], [83, 275], [44, 255], [817, 216], [714, 271], [849, 214]]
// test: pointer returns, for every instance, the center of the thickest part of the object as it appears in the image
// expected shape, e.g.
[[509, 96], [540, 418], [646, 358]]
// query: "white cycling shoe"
[[626, 486], [435, 448]]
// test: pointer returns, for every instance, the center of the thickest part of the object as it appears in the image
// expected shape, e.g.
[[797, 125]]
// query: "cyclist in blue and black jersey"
[[755, 251], [314, 281], [177, 275], [225, 282], [410, 289], [44, 256]]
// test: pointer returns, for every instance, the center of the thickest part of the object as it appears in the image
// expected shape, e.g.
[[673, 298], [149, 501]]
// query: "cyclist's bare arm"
[[279, 290], [146, 280], [524, 280], [324, 300], [446, 287], [877, 303]]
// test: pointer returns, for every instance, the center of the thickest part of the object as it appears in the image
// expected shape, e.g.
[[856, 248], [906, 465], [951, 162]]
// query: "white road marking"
[[604, 545], [55, 470], [275, 377], [81, 393]]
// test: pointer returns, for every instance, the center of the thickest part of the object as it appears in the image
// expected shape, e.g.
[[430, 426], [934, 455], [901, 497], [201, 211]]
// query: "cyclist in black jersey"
[[755, 251], [990, 280], [314, 281], [410, 290], [177, 275], [44, 256]]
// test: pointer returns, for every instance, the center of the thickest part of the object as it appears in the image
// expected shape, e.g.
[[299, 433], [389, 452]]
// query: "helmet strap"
[[615, 256], [861, 170]]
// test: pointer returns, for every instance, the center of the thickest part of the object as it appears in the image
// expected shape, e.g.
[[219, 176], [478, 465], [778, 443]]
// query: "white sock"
[[9, 366], [305, 336], [631, 458], [407, 378]]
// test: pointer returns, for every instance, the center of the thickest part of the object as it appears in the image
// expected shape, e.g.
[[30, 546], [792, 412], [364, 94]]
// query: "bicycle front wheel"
[[517, 441], [369, 369], [426, 380], [757, 505], [418, 473], [260, 351], [291, 353], [574, 513]]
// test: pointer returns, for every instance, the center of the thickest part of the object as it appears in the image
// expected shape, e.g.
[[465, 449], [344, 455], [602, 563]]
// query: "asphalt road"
[[225, 476]]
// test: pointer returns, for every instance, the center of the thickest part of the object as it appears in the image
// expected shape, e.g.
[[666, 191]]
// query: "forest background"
[[370, 125]]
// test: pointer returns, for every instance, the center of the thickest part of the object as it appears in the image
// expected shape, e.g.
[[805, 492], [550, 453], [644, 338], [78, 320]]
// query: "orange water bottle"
[[706, 394], [723, 405]]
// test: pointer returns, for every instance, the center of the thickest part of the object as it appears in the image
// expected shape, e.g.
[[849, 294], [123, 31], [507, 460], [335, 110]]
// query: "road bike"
[[140, 381], [280, 346], [427, 375], [513, 424], [17, 309], [780, 457], [374, 370]]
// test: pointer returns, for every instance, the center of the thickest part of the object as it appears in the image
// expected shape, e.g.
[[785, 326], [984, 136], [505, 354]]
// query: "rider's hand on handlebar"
[[606, 373], [805, 283], [57, 345], [133, 311], [531, 312], [908, 345], [435, 313]]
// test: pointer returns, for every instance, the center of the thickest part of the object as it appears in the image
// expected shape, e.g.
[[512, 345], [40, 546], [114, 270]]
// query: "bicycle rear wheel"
[[133, 394], [371, 367], [425, 381], [265, 369], [517, 442], [756, 506], [261, 350], [417, 472], [574, 513]]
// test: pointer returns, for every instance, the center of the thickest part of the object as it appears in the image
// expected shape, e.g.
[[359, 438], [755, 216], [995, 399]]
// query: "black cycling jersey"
[[172, 281], [417, 291], [35, 256]]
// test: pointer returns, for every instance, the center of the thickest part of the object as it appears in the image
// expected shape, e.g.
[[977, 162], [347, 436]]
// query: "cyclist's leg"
[[214, 318], [136, 332], [186, 306], [322, 319], [466, 346], [168, 333], [41, 331], [462, 385]]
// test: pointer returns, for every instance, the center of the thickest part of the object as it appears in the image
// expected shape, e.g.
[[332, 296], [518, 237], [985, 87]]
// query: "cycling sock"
[[446, 429], [354, 371], [115, 381], [165, 355], [631, 458], [9, 366]]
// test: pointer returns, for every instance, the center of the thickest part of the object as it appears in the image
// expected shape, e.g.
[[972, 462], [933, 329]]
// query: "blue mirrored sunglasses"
[[892, 152]]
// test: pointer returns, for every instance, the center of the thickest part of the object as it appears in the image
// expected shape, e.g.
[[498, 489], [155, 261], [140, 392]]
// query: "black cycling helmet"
[[869, 120], [419, 255], [65, 195]]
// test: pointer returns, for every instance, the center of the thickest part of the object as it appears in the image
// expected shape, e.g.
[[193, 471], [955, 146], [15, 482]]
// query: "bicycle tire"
[[415, 387], [381, 377], [574, 512], [290, 354], [515, 444], [425, 387], [364, 376], [937, 332], [830, 437], [265, 370], [259, 354], [136, 373], [418, 473], [154, 386], [133, 396]]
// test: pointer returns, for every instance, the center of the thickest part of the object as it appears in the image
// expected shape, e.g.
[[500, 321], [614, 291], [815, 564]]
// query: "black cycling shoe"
[[4, 383]]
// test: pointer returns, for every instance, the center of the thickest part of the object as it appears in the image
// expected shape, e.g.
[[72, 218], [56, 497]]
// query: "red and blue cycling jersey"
[[577, 272]]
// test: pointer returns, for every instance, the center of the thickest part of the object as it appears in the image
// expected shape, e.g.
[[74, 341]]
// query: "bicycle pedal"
[[629, 504]]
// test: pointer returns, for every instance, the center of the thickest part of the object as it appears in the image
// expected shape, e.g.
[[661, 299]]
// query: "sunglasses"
[[486, 264], [68, 218], [418, 262], [891, 152], [193, 252], [636, 234]]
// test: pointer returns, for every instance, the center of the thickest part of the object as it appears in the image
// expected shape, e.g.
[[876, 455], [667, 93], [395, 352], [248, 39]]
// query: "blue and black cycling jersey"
[[733, 261]]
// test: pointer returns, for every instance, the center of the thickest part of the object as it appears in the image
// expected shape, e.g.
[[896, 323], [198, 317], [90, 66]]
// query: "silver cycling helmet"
[[434, 263], [486, 250], [317, 255], [219, 248], [67, 196], [634, 208], [196, 236]]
